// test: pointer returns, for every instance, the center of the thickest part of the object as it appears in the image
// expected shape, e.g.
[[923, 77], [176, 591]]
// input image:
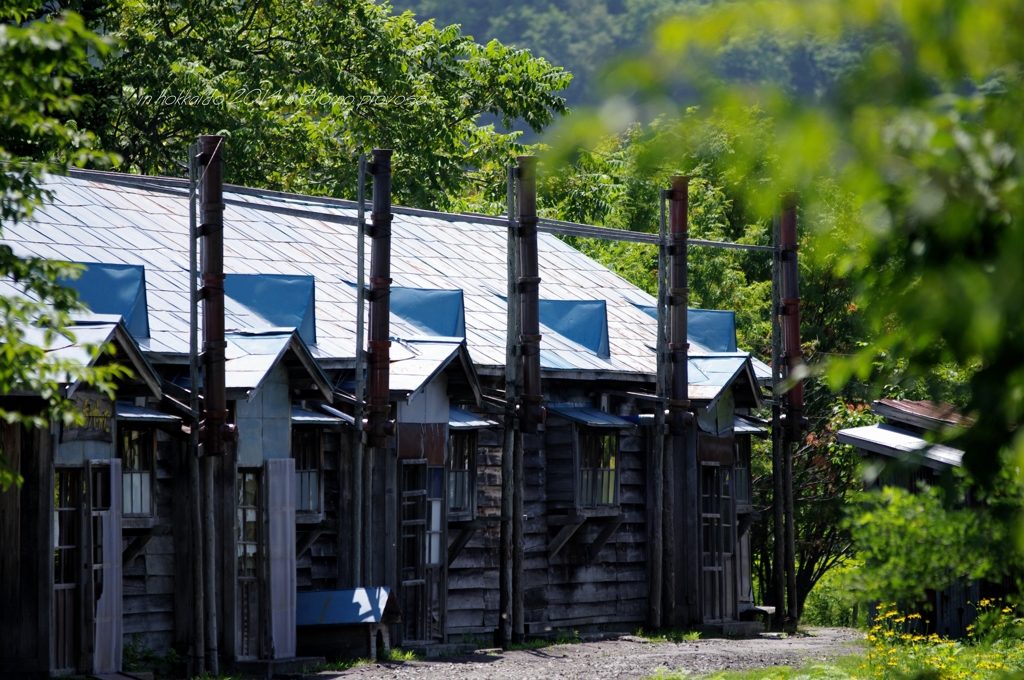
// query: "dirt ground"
[[627, 657]]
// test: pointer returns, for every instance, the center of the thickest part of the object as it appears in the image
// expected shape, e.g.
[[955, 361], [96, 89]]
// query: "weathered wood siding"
[[26, 522], [611, 590], [473, 576], [150, 582]]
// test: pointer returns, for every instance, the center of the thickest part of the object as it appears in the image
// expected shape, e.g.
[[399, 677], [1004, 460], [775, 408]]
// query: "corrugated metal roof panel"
[[461, 419], [589, 416], [897, 443]]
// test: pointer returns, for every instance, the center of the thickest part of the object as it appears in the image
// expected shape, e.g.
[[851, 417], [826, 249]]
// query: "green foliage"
[[826, 477], [913, 542], [300, 87], [829, 603], [922, 142], [39, 62]]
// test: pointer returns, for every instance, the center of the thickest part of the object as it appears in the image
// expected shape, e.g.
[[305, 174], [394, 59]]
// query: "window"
[[435, 513], [462, 475], [138, 459], [597, 460], [307, 452]]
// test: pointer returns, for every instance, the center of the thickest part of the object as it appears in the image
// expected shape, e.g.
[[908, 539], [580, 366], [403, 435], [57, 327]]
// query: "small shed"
[[346, 623]]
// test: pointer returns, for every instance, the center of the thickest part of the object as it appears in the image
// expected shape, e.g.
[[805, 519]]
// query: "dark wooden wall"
[[26, 524]]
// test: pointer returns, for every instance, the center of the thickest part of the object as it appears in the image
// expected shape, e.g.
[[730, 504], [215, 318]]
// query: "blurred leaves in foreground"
[[924, 135]]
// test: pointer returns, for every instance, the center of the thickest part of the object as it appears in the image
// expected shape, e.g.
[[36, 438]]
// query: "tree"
[[299, 87], [924, 134], [39, 60]]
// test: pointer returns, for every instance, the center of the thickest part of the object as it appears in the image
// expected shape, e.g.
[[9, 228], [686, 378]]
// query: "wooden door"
[[67, 567], [718, 528], [249, 563]]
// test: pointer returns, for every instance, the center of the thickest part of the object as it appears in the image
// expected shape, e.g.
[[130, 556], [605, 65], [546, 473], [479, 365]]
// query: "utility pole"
[[778, 585]]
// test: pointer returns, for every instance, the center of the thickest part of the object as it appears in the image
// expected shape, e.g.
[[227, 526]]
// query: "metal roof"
[[93, 219], [93, 330], [301, 416], [710, 375], [748, 425], [589, 416], [897, 443], [138, 414], [461, 419], [928, 415], [114, 218], [339, 414], [345, 607], [250, 356]]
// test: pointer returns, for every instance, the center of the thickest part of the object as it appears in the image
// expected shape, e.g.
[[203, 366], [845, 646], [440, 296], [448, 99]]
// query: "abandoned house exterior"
[[415, 530]]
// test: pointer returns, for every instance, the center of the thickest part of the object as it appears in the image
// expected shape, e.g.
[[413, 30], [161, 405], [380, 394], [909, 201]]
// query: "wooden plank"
[[606, 533], [563, 535]]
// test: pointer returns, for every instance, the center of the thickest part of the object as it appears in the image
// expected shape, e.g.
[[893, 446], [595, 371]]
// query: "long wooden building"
[[303, 500]]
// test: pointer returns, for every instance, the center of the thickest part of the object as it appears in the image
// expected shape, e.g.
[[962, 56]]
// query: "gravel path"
[[628, 657]]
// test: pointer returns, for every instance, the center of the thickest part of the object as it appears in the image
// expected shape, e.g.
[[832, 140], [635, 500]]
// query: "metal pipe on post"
[[358, 531], [380, 300], [795, 420], [215, 430], [531, 412], [778, 584], [195, 485], [508, 451]]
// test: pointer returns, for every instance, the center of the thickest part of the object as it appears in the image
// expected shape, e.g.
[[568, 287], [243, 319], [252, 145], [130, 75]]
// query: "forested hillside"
[[586, 36]]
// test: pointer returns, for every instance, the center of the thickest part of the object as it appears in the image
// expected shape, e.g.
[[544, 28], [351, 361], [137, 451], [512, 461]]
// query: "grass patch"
[[341, 665], [397, 654], [530, 644], [676, 635]]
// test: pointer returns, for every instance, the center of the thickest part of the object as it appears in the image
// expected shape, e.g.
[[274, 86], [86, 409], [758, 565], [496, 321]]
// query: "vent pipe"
[[379, 401], [679, 294], [215, 429], [529, 291]]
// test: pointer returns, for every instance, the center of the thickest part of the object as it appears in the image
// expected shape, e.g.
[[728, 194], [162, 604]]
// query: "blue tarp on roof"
[[712, 328], [283, 300], [585, 322], [115, 289], [345, 607], [434, 311]]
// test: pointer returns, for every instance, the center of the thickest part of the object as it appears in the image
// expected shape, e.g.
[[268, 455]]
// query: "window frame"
[[467, 512], [579, 433], [137, 519], [299, 432]]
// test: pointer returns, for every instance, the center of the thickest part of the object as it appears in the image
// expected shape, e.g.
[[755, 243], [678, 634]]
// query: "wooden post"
[[657, 459], [795, 420], [198, 659], [778, 473], [679, 401], [358, 531], [531, 413], [504, 633]]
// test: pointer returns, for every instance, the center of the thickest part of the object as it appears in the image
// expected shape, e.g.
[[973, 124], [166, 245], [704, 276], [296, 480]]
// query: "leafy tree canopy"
[[39, 60], [300, 87]]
